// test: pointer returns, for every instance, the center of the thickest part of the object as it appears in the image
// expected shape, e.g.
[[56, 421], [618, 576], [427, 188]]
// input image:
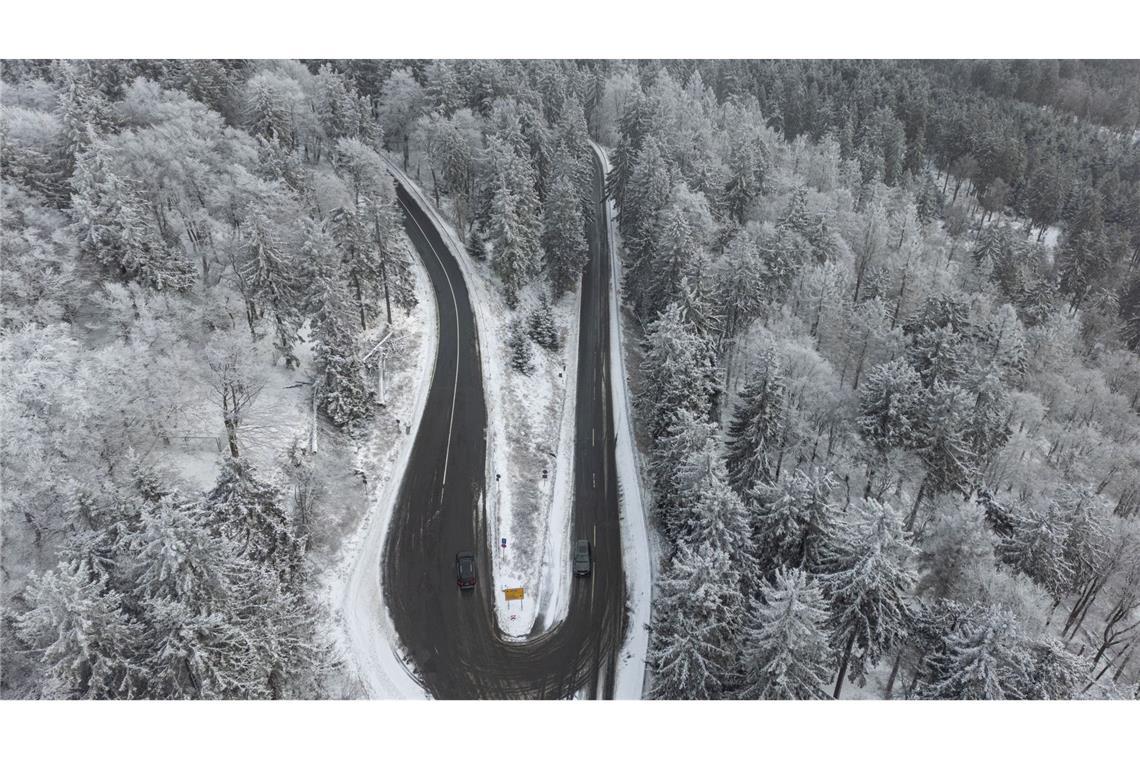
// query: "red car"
[[465, 575]]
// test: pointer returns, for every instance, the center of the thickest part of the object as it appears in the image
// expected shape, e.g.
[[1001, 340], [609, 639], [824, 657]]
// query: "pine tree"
[[678, 371], [984, 659], [697, 620], [518, 343], [1037, 545], [563, 236], [756, 433], [787, 654], [540, 325], [511, 255], [85, 641], [116, 231], [795, 522], [269, 274], [867, 582], [375, 254], [342, 392], [679, 464], [250, 513], [890, 402]]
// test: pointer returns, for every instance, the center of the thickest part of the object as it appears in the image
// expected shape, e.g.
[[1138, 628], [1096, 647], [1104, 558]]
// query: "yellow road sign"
[[513, 593]]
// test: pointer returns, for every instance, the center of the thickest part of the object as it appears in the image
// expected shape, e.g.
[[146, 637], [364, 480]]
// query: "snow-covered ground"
[[530, 422], [637, 557], [363, 630]]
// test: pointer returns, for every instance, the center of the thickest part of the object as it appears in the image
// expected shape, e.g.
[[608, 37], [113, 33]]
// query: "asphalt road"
[[452, 635]]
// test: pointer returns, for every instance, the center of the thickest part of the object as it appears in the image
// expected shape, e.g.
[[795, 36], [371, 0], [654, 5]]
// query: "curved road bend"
[[452, 636]]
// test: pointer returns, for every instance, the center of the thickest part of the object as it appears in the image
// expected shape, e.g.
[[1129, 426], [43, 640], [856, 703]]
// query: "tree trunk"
[[914, 510], [843, 666], [894, 674]]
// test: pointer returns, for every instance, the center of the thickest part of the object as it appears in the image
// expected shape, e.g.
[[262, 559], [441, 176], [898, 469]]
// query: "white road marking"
[[455, 303]]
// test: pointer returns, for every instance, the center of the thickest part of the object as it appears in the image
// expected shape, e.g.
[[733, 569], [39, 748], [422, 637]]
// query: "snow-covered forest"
[[885, 321]]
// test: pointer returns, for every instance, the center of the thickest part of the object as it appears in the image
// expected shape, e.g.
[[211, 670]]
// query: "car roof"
[[583, 543]]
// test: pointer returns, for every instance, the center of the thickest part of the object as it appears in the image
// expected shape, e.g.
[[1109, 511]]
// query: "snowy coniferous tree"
[[1037, 546], [755, 435], [891, 403], [512, 257], [717, 517], [82, 637], [984, 659], [679, 465], [683, 232], [678, 371], [249, 512], [697, 620], [268, 110], [786, 652], [1057, 673], [794, 522], [386, 266], [270, 281], [747, 167], [518, 343], [116, 230], [563, 236], [944, 444], [540, 325], [360, 264], [648, 191], [1087, 537], [342, 392], [867, 583]]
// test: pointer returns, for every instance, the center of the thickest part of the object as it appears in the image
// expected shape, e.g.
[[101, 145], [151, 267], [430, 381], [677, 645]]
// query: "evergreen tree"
[[984, 659], [563, 236], [678, 371], [518, 343], [787, 654], [867, 582], [512, 256], [697, 619], [269, 273], [891, 405], [679, 465], [1036, 547], [756, 433], [81, 635], [250, 513], [794, 522], [540, 325], [114, 228]]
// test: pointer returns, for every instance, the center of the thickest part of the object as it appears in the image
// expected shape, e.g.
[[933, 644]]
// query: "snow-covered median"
[[530, 420], [633, 493]]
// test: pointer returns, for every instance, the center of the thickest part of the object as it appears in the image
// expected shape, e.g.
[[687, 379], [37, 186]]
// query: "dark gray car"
[[583, 559]]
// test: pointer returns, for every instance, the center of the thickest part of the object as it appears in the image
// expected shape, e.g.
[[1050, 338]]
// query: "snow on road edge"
[[554, 600], [630, 678], [367, 632]]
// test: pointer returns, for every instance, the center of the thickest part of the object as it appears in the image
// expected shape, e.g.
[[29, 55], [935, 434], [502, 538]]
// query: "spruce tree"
[[756, 433], [786, 652], [697, 620], [563, 236], [794, 522], [678, 371], [867, 582]]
